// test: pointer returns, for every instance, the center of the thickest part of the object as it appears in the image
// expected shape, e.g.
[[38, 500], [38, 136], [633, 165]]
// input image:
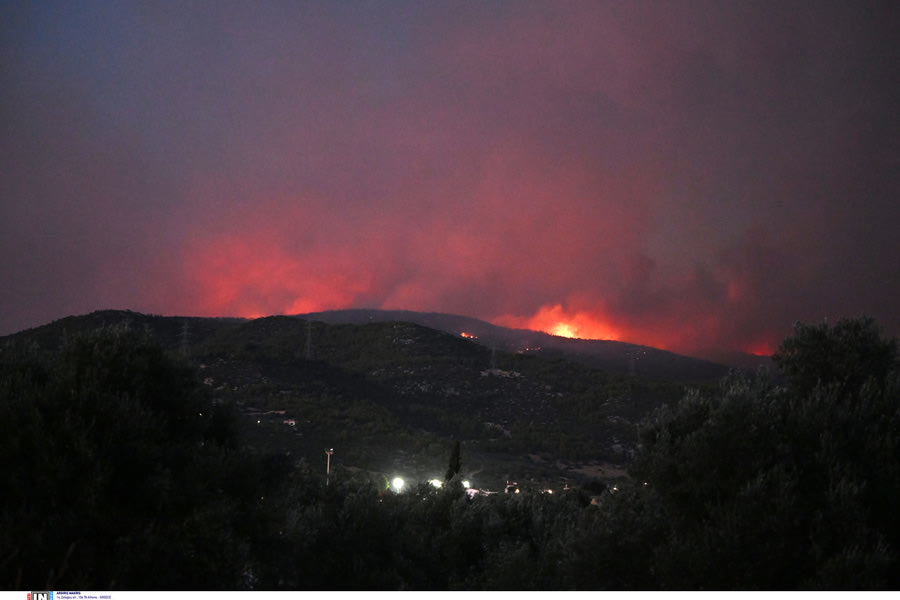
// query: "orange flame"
[[553, 319]]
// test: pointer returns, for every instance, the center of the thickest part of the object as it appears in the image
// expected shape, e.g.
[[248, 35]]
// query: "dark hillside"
[[620, 357], [173, 333], [417, 386], [128, 465], [391, 396]]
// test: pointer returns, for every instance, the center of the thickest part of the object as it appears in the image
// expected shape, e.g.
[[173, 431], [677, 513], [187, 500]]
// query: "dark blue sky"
[[689, 174]]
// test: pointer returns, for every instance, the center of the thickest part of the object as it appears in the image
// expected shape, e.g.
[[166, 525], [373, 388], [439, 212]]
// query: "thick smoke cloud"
[[695, 176]]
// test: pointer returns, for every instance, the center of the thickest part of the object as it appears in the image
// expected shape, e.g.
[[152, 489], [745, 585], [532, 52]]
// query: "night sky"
[[689, 175]]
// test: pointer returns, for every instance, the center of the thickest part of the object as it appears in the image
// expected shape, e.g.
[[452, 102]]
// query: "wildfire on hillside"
[[555, 320]]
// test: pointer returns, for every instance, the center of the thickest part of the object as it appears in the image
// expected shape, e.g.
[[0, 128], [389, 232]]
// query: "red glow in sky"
[[687, 175], [257, 277]]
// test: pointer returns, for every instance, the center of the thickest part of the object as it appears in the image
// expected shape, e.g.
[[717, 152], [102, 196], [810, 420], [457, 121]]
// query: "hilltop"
[[620, 357], [391, 394]]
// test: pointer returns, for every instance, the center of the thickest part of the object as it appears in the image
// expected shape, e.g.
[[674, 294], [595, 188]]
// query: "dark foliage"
[[454, 465], [121, 472], [114, 457], [846, 355], [770, 487]]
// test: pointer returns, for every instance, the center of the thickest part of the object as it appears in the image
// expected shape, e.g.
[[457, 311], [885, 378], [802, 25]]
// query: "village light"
[[436, 483], [466, 484], [397, 484]]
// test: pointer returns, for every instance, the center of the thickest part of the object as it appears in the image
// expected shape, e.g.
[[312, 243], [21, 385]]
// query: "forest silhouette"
[[121, 471]]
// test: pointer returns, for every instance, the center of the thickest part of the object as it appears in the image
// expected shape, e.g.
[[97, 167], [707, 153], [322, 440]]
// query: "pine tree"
[[453, 468]]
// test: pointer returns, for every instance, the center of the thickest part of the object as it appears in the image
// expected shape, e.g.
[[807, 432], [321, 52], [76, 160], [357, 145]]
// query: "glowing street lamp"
[[436, 483], [397, 484], [466, 484]]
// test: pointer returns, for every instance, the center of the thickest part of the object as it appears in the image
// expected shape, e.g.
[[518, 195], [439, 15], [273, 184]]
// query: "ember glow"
[[687, 175], [761, 348], [553, 319]]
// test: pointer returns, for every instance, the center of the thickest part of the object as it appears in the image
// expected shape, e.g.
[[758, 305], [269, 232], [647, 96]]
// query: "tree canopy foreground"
[[121, 471]]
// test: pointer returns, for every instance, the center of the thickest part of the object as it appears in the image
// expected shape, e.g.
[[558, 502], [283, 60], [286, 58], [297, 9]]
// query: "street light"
[[397, 484], [328, 452]]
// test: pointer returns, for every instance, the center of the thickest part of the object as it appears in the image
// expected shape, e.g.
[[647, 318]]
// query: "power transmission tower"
[[184, 338]]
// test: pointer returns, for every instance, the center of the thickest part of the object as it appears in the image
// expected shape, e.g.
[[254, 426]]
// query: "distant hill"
[[620, 357], [391, 390]]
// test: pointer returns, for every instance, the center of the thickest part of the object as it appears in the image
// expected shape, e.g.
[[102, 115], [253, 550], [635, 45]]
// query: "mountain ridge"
[[392, 395], [621, 357]]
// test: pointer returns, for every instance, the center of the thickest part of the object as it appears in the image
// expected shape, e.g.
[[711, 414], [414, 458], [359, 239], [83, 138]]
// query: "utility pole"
[[631, 376], [309, 340], [328, 452]]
